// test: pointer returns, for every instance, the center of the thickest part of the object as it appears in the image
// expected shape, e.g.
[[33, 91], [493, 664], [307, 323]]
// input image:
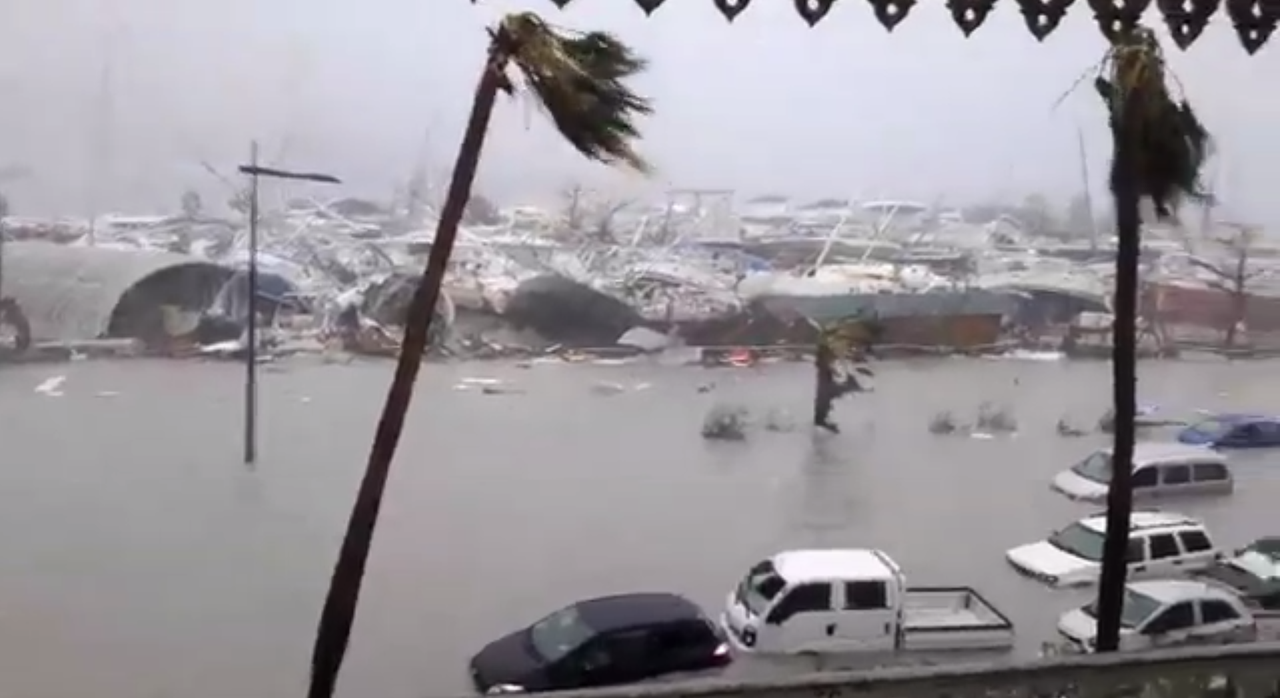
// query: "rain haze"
[[118, 111]]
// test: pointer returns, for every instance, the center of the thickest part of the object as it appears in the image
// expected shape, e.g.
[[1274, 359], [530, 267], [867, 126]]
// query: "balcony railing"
[[1239, 671]]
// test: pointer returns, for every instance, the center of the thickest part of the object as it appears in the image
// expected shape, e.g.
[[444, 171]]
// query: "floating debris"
[[51, 387], [725, 423], [993, 419], [779, 420], [1066, 428], [943, 423]]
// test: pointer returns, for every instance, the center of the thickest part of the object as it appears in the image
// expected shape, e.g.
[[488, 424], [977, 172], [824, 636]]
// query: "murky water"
[[138, 557]]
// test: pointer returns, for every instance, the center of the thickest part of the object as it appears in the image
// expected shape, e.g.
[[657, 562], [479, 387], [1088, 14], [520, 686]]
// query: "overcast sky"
[[763, 105]]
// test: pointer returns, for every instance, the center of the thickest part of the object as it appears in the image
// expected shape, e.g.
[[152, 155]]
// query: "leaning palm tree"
[[1159, 149], [580, 79]]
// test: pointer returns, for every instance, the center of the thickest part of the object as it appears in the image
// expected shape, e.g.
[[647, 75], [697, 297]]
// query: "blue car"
[[1234, 431]]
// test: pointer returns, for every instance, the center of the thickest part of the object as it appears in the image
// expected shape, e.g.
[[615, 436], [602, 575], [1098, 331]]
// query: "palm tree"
[[1159, 148], [580, 79]]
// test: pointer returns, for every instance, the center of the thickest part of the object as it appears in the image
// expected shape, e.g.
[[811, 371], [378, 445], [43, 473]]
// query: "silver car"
[[1159, 469]]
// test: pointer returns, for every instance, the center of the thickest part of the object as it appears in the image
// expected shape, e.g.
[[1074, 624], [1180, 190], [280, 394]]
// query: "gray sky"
[[763, 105]]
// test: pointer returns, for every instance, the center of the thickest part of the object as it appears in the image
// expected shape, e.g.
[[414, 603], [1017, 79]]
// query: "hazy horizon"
[[120, 110]]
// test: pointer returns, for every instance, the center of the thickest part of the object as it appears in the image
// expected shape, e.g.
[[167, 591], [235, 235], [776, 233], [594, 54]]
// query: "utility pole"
[[254, 171]]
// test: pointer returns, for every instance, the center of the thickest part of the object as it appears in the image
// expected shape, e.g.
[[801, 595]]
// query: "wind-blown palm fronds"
[[1170, 143], [579, 77]]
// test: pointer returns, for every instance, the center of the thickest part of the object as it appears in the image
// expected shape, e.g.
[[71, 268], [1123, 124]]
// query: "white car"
[[1163, 613], [1159, 469], [1160, 544]]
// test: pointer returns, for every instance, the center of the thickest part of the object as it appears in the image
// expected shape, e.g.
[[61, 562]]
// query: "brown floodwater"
[[141, 559]]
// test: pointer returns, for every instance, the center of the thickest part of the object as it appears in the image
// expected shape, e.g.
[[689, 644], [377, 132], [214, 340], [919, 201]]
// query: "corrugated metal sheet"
[[68, 292], [894, 305]]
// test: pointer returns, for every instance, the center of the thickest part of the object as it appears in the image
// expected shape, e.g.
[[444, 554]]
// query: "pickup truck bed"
[[952, 618]]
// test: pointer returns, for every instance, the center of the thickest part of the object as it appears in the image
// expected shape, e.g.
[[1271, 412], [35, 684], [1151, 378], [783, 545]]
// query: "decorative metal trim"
[[1254, 20]]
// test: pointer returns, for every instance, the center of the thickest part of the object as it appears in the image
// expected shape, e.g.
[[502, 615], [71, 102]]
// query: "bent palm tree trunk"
[[344, 587], [579, 79]]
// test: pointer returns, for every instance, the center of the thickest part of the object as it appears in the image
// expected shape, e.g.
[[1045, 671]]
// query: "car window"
[[1144, 478], [1176, 617], [866, 595], [1164, 546], [1195, 541], [1137, 550], [804, 598], [1209, 472], [1176, 474], [1217, 611]]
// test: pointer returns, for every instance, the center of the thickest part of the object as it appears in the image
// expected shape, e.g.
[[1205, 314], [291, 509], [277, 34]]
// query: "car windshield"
[[1137, 609], [1257, 564], [1213, 428], [559, 634], [1096, 467], [759, 587], [1079, 540]]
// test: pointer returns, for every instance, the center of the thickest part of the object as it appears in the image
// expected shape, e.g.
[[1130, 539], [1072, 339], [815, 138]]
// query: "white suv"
[[1160, 544]]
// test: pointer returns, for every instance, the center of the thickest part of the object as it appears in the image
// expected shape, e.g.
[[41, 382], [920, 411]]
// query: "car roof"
[[1238, 417], [622, 611], [1142, 519], [817, 565], [1168, 591], [1152, 452]]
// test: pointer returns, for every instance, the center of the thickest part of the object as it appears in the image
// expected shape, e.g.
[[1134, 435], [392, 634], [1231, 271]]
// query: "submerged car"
[[1159, 470], [601, 642], [1164, 613], [1253, 572], [1234, 431], [1160, 544]]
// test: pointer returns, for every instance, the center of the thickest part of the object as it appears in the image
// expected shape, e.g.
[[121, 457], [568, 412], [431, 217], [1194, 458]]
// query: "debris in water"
[[943, 423], [706, 387], [607, 388], [51, 387], [499, 390], [106, 393], [779, 420], [725, 423], [993, 419], [1066, 428]]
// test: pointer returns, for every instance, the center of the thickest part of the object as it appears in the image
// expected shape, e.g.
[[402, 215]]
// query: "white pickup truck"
[[844, 601]]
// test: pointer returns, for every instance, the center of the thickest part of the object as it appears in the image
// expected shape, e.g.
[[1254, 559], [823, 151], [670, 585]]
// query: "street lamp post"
[[254, 171]]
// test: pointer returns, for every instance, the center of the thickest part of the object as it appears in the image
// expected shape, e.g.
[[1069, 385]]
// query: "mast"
[[1088, 197], [102, 174]]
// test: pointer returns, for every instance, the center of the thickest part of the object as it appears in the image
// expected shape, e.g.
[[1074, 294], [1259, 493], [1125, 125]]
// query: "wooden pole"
[[339, 610], [1124, 382], [251, 333]]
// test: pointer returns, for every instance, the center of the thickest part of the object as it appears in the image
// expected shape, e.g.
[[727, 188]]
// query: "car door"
[[1173, 626], [1242, 436], [682, 646], [1175, 479], [1211, 477], [801, 620], [1136, 555], [1145, 482], [1197, 550], [1166, 554], [1268, 434], [629, 657], [1219, 623], [868, 620]]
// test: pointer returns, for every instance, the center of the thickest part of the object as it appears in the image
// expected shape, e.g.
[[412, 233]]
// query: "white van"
[[1159, 469]]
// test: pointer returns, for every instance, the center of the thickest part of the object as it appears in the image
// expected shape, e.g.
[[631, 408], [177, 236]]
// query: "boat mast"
[[1088, 196], [102, 174]]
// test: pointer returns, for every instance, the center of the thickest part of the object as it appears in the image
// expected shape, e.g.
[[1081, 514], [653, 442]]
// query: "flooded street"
[[142, 560]]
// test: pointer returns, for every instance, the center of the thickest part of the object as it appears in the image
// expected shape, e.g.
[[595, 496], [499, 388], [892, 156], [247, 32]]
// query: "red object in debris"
[[741, 358]]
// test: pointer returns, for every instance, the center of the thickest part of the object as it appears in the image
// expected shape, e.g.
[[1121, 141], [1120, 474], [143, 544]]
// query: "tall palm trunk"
[[344, 586], [1124, 385]]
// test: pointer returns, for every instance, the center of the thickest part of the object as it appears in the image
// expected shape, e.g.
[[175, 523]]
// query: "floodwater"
[[141, 559]]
